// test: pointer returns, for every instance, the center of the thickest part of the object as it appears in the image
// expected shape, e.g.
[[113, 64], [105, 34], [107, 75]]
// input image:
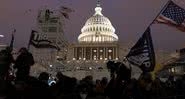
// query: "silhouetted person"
[[43, 78], [65, 88], [6, 59], [23, 63], [112, 68], [118, 83]]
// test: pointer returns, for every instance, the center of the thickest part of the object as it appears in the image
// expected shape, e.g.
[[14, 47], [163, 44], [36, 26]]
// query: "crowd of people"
[[120, 86]]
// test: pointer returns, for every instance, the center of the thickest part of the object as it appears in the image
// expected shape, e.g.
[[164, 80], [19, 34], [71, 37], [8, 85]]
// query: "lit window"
[[173, 70], [109, 51], [77, 67], [101, 50], [95, 51], [110, 57]]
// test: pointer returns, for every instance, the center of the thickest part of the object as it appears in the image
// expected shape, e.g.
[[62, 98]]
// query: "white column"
[[73, 52], [82, 52], [116, 52], [85, 53], [76, 53], [113, 49], [104, 55], [91, 57], [107, 53]]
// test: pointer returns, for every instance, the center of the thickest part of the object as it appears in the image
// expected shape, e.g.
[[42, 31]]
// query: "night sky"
[[129, 17]]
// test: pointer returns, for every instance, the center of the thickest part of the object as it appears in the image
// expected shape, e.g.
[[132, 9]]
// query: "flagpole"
[[28, 47], [12, 40], [159, 13]]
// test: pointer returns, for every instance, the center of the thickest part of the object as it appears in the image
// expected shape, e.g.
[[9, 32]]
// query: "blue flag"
[[142, 53]]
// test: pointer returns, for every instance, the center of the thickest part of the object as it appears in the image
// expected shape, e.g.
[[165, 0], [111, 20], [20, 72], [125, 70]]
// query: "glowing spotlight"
[[77, 67], [1, 35]]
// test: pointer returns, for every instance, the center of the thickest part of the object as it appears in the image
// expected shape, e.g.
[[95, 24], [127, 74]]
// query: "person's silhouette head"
[[23, 50], [44, 76]]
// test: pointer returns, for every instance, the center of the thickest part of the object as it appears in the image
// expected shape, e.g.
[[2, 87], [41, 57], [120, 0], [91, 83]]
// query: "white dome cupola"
[[97, 29]]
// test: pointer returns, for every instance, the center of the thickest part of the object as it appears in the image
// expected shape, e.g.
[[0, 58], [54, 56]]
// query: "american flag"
[[173, 15]]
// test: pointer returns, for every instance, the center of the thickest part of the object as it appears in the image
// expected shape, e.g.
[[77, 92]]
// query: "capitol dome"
[[98, 29]]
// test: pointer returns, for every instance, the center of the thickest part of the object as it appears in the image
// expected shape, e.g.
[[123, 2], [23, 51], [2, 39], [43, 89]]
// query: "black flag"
[[38, 42], [142, 53]]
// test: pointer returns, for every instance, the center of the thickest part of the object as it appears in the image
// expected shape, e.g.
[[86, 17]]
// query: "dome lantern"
[[98, 9]]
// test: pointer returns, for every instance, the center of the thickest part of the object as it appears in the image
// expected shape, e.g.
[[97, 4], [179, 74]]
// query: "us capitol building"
[[97, 43]]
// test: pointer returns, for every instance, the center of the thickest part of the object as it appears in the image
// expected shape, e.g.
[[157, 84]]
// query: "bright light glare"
[[1, 35]]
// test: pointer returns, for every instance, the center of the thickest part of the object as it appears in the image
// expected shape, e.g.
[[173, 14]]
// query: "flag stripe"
[[166, 21]]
